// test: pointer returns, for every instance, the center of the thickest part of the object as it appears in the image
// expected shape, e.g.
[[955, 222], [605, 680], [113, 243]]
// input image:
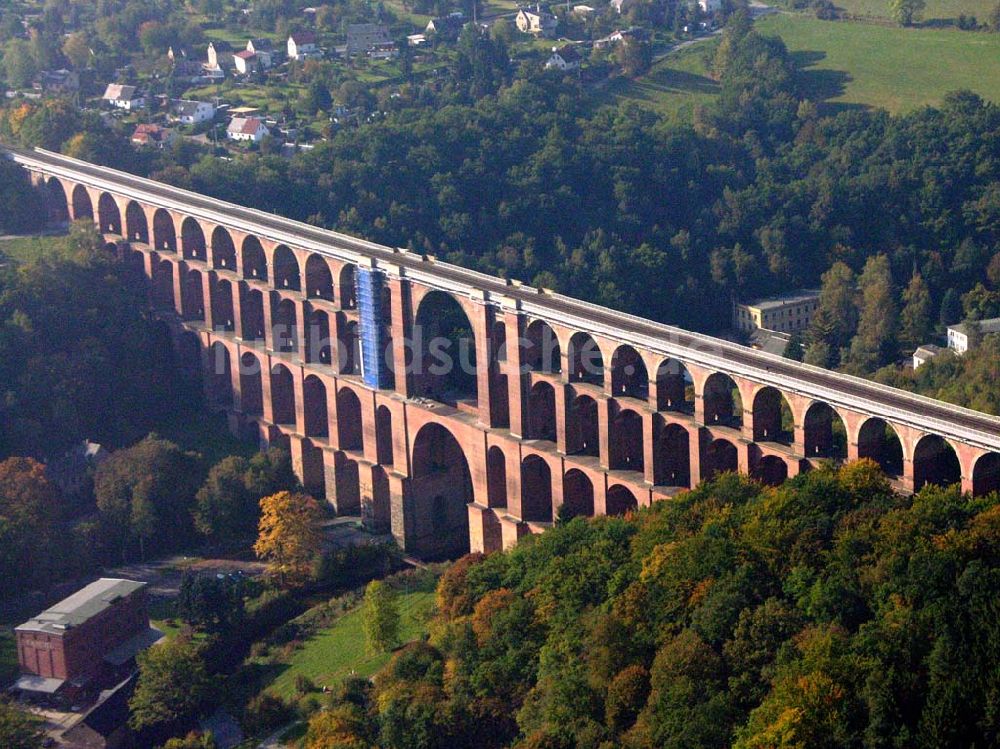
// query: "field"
[[936, 11], [339, 650], [672, 87], [25, 249], [851, 64]]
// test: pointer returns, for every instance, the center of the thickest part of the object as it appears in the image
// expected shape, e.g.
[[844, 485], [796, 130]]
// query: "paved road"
[[916, 409]]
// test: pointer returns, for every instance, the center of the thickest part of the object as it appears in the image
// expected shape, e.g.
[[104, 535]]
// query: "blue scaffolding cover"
[[373, 324]]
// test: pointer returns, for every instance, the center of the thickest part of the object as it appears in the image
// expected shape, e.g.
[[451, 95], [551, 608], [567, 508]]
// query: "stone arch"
[[164, 233], [383, 435], [193, 296], [626, 441], [223, 249], [350, 430], [284, 326], [878, 441], [441, 486], [109, 217], [629, 377], [542, 412], [192, 240], [385, 350], [935, 462], [252, 313], [82, 205], [541, 348], [137, 228], [536, 490], [720, 456], [313, 471], [347, 290], [723, 404], [825, 433], [499, 393], [349, 347], [251, 390], [671, 454], [163, 284], [380, 520], [317, 338], [56, 202], [586, 363], [620, 501], [282, 395], [254, 259], [319, 279], [220, 379], [286, 269], [314, 407], [674, 387], [583, 432], [986, 474], [445, 350], [578, 495], [771, 470], [222, 304], [496, 477], [772, 417]]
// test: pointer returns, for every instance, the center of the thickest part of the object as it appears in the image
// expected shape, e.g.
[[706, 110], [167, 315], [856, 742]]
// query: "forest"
[[828, 612]]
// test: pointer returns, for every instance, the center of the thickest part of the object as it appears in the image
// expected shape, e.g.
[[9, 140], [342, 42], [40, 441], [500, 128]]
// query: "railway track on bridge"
[[971, 426]]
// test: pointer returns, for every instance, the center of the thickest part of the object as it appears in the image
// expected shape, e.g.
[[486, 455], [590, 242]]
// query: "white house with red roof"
[[302, 46], [250, 129]]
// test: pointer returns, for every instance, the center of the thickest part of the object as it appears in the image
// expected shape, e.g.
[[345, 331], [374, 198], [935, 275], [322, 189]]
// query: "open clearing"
[[852, 64], [674, 86], [936, 10], [339, 650]]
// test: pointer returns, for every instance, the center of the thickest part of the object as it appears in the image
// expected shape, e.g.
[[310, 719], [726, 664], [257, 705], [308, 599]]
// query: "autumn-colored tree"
[[76, 48], [339, 728], [289, 535], [29, 505]]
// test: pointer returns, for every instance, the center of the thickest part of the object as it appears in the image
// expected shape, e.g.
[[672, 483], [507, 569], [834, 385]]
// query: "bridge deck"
[[924, 413]]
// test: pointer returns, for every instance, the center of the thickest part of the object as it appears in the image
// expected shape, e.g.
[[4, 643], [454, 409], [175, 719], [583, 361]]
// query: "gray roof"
[[83, 605], [185, 107], [931, 349], [985, 326], [783, 300]]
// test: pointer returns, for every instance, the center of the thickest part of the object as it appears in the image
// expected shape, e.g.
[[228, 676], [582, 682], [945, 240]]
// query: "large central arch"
[[445, 350], [441, 487]]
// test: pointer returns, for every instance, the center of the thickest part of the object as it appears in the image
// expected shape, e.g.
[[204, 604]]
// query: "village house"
[[302, 46], [564, 58], [448, 27], [190, 112], [385, 51], [265, 51], [925, 353], [60, 81], [584, 10], [247, 129], [220, 55], [246, 62], [152, 136], [710, 6], [535, 21], [787, 313], [362, 38], [633, 33], [124, 97], [621, 6]]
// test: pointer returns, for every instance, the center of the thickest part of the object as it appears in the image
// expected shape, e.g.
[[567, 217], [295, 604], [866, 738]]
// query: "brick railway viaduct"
[[568, 407]]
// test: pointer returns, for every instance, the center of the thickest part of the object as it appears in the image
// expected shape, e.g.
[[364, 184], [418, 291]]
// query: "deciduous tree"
[[289, 535]]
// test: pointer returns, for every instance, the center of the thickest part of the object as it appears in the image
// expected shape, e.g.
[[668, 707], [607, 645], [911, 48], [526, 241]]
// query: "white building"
[[710, 6], [249, 129], [535, 21], [958, 335], [128, 98], [189, 112], [302, 46], [246, 62], [564, 58], [925, 353], [787, 313], [264, 50]]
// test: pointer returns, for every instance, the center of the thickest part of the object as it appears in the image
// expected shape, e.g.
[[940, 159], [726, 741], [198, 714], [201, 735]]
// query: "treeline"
[[829, 612]]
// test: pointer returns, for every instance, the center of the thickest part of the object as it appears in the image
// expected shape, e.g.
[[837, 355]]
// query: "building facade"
[[788, 313]]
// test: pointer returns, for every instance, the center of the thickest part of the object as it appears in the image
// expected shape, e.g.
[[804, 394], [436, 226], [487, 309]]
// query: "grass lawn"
[[936, 10], [333, 653], [672, 87], [898, 69], [26, 249]]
